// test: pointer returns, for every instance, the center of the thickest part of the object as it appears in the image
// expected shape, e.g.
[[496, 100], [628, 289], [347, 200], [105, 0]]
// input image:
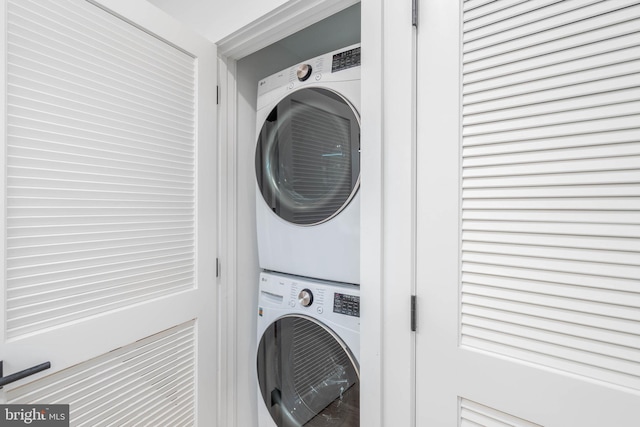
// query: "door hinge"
[[413, 314], [217, 95], [414, 13], [217, 267]]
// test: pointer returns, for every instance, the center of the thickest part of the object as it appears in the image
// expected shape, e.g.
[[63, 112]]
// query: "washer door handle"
[[276, 397]]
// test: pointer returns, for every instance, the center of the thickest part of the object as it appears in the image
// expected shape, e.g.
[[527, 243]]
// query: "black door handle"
[[22, 374]]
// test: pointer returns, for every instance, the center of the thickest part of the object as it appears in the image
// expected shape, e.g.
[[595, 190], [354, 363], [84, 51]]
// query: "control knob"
[[303, 72], [305, 298]]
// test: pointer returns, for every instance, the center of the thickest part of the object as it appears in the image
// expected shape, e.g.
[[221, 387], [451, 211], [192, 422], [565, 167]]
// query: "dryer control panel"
[[346, 59], [346, 304]]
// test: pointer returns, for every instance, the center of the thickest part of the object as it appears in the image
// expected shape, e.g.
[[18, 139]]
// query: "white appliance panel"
[[308, 356], [307, 200]]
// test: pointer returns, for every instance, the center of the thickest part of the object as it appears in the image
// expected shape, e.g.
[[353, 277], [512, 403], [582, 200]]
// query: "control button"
[[318, 76], [320, 309], [292, 303], [305, 298], [346, 304], [303, 72], [290, 85]]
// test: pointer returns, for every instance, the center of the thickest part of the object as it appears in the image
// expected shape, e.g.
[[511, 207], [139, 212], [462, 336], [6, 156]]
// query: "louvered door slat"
[[502, 11], [549, 119], [473, 4], [584, 30], [473, 414], [568, 12], [100, 165], [590, 255], [70, 85], [57, 21], [89, 109], [560, 239], [587, 332], [554, 57], [473, 11], [584, 293], [550, 194], [151, 379]]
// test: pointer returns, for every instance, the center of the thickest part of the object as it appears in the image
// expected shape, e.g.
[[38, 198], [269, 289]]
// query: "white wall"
[[216, 19]]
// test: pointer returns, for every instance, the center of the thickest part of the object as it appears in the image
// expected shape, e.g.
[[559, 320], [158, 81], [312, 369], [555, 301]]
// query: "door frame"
[[386, 339]]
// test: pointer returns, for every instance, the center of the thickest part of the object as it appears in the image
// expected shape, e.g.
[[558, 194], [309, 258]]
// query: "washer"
[[308, 353], [307, 164]]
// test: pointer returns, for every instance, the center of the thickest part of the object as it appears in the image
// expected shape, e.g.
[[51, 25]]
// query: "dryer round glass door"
[[308, 156], [306, 376]]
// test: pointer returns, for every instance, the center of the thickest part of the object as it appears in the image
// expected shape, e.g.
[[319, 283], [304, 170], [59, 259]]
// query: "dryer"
[[307, 164], [308, 353]]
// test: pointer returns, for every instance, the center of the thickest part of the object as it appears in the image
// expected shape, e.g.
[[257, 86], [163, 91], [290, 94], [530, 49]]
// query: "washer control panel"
[[334, 303], [346, 304]]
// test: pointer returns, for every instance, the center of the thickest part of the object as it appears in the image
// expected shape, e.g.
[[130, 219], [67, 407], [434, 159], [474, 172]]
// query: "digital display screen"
[[347, 59], [346, 304]]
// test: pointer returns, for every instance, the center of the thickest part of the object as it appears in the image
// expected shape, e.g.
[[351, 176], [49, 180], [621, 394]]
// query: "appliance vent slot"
[[150, 382]]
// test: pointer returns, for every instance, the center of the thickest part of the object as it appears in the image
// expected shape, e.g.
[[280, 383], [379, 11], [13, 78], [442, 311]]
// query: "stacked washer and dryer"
[[307, 166]]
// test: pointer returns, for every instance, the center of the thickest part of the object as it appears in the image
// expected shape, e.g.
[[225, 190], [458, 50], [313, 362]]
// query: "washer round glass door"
[[308, 156], [306, 376]]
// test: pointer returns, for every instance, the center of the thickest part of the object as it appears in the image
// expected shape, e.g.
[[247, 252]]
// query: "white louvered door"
[[109, 212], [528, 188]]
